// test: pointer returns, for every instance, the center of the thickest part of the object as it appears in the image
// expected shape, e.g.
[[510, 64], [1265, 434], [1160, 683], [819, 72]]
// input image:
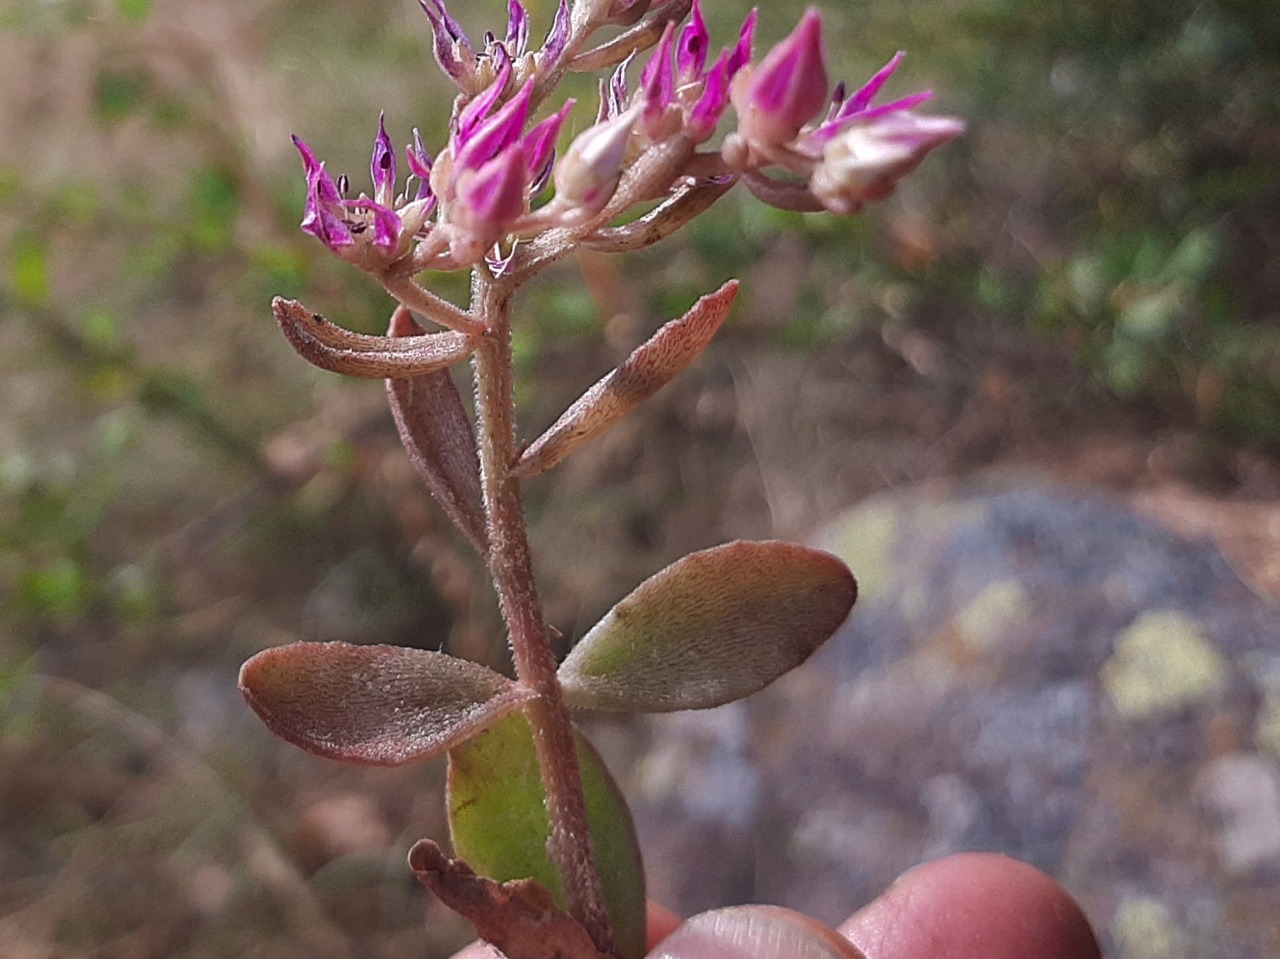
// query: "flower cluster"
[[854, 154], [795, 145]]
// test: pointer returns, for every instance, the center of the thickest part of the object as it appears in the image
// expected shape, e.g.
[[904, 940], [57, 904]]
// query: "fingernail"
[[755, 932]]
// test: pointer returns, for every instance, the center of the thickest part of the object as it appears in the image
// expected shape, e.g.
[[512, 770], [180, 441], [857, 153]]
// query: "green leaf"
[[710, 628], [213, 203], [378, 705], [29, 269], [135, 11], [499, 823]]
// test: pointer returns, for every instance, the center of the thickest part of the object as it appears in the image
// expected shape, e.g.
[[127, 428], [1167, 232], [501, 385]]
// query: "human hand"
[[967, 906]]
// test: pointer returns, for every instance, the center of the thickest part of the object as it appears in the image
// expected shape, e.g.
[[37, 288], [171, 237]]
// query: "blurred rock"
[[1243, 790], [1035, 671]]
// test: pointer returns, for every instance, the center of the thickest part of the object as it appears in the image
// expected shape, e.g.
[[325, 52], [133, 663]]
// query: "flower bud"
[[865, 162], [788, 88], [491, 198], [419, 161], [517, 41], [658, 84], [557, 41], [592, 166], [691, 50], [324, 216], [489, 137], [452, 48], [382, 167]]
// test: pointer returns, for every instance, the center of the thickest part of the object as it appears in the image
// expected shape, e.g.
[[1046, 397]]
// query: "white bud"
[[589, 172], [865, 162]]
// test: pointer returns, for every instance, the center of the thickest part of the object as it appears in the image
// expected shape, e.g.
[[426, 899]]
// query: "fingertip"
[[974, 906]]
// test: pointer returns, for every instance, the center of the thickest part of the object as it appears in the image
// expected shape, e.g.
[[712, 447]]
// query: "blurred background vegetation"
[[1098, 258]]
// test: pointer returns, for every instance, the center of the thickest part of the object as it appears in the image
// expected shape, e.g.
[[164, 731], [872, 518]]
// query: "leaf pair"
[[711, 628], [433, 423], [436, 430]]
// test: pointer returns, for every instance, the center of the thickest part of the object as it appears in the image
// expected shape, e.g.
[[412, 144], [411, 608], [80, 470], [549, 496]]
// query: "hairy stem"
[[432, 307], [511, 566]]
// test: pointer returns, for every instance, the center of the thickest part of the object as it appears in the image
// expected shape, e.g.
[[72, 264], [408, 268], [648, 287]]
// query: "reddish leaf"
[[437, 434], [710, 628], [379, 705], [653, 364], [333, 348], [520, 918]]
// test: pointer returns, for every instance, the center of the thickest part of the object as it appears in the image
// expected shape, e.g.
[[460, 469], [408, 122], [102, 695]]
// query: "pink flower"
[[865, 161], [777, 98], [589, 172], [349, 227], [680, 94], [491, 198]]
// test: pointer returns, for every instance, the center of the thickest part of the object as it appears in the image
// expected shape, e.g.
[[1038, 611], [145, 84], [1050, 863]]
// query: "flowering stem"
[[511, 567], [434, 308]]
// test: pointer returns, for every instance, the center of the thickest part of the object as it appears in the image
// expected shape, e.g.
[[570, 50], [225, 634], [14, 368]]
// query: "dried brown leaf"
[[520, 917]]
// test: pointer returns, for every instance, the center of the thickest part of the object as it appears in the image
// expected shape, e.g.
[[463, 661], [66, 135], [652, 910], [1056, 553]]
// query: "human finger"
[[973, 906], [661, 923], [754, 932]]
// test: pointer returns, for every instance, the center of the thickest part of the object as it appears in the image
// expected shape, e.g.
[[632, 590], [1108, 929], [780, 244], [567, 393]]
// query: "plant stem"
[[511, 567]]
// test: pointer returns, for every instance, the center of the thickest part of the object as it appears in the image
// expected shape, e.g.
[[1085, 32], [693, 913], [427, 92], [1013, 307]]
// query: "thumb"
[[754, 932]]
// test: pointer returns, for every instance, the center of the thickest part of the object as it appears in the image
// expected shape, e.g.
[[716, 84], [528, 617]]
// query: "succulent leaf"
[[712, 627], [376, 705], [437, 434], [499, 824], [337, 350], [649, 368]]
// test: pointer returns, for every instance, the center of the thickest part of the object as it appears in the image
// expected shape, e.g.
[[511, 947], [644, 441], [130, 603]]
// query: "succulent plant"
[[545, 859]]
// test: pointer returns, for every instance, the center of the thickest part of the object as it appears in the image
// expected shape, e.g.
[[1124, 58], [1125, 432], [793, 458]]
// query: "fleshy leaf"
[[338, 350], [499, 824], [653, 364], [377, 705], [520, 918], [712, 627], [438, 436]]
